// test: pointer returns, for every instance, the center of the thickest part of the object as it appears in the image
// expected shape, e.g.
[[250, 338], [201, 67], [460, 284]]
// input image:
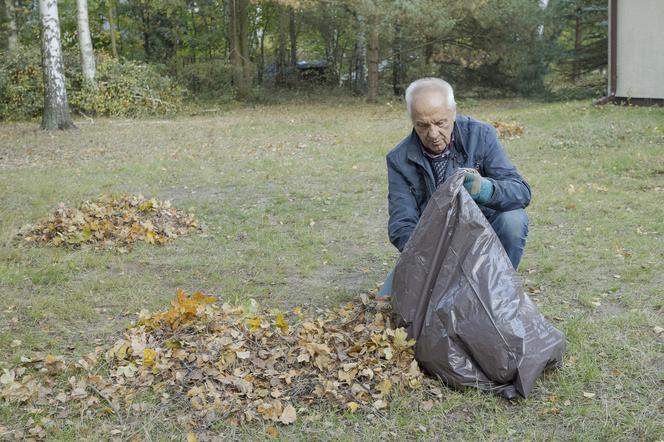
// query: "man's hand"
[[479, 188]]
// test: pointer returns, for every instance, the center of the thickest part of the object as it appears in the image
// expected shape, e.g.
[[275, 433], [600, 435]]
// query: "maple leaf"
[[401, 340]]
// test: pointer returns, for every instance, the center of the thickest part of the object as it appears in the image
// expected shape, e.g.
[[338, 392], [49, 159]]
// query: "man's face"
[[432, 119]]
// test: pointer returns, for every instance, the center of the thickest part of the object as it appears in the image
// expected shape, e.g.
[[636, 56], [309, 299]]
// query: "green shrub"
[[21, 84], [207, 78], [123, 88]]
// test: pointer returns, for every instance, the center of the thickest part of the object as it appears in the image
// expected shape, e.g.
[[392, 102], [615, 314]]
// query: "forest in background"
[[153, 54]]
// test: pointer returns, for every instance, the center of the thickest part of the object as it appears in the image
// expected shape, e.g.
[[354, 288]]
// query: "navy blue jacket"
[[411, 181]]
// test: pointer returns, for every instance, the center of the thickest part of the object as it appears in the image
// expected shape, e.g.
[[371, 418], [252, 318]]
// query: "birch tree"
[[56, 109], [85, 43]]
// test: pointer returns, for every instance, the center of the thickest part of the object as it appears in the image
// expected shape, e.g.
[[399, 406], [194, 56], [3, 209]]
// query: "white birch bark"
[[56, 109], [12, 33], [85, 43]]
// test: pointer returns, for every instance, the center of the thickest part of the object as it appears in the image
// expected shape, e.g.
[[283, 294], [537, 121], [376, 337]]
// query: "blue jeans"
[[511, 227]]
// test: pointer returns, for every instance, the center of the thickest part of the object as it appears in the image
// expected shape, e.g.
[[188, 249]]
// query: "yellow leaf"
[[352, 406], [254, 324], [384, 387], [191, 437], [401, 339], [149, 357], [281, 323], [272, 431]]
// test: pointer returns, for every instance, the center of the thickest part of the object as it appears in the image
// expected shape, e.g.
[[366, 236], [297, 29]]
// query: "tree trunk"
[[397, 65], [111, 28], [261, 56], [85, 43], [261, 47], [428, 54], [239, 46], [195, 32], [292, 27], [281, 45], [372, 64], [12, 32], [360, 56], [145, 20], [577, 47], [56, 110]]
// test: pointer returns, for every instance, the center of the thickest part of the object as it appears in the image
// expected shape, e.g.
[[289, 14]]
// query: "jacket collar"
[[415, 153], [460, 127]]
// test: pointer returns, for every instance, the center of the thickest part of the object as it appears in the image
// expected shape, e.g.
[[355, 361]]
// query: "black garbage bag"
[[457, 294]]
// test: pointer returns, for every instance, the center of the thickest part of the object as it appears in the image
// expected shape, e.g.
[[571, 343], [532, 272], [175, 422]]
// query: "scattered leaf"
[[380, 404], [508, 130], [352, 406], [281, 323], [149, 357], [288, 416]]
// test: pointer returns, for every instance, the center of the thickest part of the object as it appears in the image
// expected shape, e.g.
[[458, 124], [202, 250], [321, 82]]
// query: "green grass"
[[293, 202]]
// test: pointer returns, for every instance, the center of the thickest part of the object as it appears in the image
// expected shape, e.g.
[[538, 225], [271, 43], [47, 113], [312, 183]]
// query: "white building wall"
[[640, 49]]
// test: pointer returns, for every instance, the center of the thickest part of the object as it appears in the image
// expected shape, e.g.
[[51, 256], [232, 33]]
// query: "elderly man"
[[440, 143]]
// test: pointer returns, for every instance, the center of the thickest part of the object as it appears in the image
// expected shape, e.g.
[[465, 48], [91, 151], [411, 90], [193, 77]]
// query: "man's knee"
[[511, 227], [512, 224]]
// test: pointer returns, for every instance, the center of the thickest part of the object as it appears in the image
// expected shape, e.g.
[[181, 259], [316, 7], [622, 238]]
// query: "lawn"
[[292, 200]]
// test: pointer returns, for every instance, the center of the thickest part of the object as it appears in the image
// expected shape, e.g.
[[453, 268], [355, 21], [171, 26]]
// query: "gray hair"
[[430, 83]]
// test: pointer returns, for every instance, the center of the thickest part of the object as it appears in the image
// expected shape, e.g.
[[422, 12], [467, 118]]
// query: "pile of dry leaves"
[[237, 363], [111, 222], [508, 130]]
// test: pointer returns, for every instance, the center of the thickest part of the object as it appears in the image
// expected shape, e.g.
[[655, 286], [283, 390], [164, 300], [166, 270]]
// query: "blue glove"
[[479, 188]]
